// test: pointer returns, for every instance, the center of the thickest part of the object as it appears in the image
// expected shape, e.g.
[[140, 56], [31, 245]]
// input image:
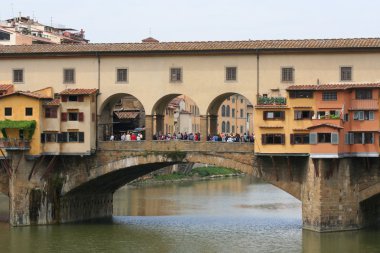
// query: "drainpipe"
[[258, 75], [96, 103]]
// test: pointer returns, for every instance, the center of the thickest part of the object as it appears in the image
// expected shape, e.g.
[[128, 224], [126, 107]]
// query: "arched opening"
[[120, 114], [370, 209], [230, 113], [176, 116]]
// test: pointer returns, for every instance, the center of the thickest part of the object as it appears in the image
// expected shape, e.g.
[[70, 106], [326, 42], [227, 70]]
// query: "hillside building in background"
[[27, 31]]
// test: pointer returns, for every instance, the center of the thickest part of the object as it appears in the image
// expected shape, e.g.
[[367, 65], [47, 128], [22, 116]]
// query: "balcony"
[[271, 100], [14, 144]]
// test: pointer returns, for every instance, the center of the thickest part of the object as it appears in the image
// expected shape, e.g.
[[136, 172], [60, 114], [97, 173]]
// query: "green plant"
[[28, 125]]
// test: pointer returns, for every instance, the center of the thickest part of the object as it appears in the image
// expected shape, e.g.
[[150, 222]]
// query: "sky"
[[114, 21]]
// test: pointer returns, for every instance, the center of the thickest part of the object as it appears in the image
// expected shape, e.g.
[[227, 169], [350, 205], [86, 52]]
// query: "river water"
[[229, 215]]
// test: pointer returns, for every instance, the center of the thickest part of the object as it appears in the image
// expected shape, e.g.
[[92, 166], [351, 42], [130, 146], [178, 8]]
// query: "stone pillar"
[[213, 124], [81, 207], [330, 196], [160, 124], [31, 200], [148, 127], [204, 127]]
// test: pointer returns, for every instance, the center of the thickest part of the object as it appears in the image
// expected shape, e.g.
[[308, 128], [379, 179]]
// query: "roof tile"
[[78, 91], [165, 47]]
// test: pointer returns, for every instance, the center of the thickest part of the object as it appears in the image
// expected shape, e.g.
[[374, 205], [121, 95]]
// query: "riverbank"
[[196, 174]]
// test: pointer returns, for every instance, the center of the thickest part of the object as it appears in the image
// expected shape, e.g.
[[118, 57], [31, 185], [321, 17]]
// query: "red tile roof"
[[28, 94], [195, 46], [127, 115], [5, 87], [54, 102], [78, 92], [334, 86], [325, 125]]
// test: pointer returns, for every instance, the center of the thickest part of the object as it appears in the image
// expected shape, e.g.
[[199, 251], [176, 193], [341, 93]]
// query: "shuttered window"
[[299, 139], [272, 139], [273, 115]]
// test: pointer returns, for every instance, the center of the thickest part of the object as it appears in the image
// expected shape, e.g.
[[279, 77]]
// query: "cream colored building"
[[208, 72]]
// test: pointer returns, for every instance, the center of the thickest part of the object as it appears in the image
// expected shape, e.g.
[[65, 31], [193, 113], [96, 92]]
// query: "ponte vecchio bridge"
[[336, 194]]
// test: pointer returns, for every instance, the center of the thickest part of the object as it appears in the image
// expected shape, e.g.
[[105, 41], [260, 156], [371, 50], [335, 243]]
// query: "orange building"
[[323, 121]]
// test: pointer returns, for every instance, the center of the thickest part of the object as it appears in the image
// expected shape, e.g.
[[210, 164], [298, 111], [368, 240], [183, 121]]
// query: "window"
[[233, 112], [233, 100], [360, 138], [301, 94], [228, 127], [363, 94], [364, 115], [287, 74], [72, 98], [18, 75], [8, 111], [223, 127], [228, 111], [69, 75], [231, 73], [223, 110], [74, 136], [49, 137], [72, 116], [329, 95], [241, 129], [324, 137], [175, 75], [28, 111], [273, 139], [50, 112], [241, 113], [299, 115], [233, 129], [346, 73], [274, 115], [122, 75], [241, 100], [299, 139], [5, 36]]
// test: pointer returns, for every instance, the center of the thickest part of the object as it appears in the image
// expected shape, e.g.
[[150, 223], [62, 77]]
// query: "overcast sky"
[[195, 20]]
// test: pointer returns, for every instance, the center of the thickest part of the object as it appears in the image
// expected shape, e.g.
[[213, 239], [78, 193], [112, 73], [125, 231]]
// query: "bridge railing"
[[186, 146]]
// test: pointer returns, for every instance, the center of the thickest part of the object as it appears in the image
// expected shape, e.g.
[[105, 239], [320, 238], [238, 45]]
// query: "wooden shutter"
[[311, 114], [263, 139], [292, 139], [282, 138], [64, 116], [282, 115], [42, 138], [265, 115], [371, 115], [81, 136], [53, 113], [80, 98], [81, 116], [64, 98], [351, 138], [313, 138], [334, 138]]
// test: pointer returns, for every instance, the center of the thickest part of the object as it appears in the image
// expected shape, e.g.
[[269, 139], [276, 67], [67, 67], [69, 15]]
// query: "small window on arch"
[[231, 73]]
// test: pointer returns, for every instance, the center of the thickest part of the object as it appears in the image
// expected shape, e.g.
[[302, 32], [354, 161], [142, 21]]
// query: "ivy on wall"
[[29, 126]]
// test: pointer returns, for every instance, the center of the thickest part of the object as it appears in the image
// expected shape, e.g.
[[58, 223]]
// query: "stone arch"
[[109, 177], [159, 111], [369, 192], [130, 109], [218, 105]]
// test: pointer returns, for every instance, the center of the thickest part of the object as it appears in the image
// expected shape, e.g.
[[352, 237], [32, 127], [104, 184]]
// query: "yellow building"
[[21, 120], [235, 116]]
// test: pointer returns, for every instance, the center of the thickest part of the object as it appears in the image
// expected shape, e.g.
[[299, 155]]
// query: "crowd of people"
[[222, 137]]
